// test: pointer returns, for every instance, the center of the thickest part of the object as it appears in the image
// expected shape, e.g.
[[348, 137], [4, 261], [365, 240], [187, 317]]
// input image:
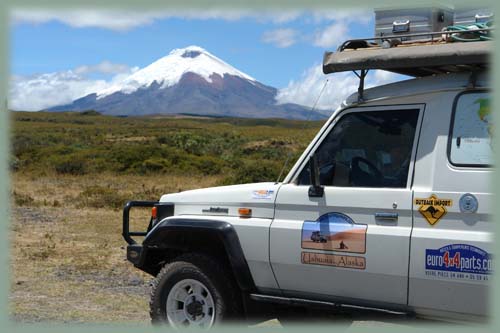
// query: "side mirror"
[[315, 190]]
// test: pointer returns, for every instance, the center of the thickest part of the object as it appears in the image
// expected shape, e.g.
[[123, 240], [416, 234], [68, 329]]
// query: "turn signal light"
[[154, 212], [245, 212]]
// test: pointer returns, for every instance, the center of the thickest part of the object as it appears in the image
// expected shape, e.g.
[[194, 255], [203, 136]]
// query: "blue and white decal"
[[334, 232], [458, 261], [262, 194]]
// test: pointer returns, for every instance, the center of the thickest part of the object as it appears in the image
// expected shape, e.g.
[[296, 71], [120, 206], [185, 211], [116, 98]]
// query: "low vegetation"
[[71, 175], [243, 150]]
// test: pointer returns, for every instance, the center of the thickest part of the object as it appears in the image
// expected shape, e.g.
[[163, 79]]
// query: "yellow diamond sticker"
[[433, 208]]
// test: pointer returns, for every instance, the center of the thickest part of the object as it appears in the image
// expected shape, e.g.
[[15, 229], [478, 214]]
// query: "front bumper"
[[126, 233], [134, 254]]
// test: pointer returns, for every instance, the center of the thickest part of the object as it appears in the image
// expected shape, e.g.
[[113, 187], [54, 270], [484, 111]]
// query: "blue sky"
[[57, 55]]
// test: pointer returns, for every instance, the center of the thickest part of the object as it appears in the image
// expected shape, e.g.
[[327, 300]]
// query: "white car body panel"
[[230, 197], [385, 276], [435, 175], [253, 232]]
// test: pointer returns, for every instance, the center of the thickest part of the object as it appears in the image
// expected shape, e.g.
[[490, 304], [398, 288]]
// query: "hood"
[[226, 200]]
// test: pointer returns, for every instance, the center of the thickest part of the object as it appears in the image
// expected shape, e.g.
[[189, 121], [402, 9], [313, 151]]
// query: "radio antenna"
[[303, 128]]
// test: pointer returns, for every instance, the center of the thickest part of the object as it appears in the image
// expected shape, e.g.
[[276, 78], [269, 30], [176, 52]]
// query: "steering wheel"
[[358, 176]]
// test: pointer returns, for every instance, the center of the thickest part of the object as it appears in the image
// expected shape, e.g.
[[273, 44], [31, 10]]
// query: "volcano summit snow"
[[169, 70], [189, 81]]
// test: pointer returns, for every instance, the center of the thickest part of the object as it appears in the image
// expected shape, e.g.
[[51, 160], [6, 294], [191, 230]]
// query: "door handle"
[[386, 216]]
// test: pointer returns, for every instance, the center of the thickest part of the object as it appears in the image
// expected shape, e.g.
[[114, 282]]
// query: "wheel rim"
[[189, 303]]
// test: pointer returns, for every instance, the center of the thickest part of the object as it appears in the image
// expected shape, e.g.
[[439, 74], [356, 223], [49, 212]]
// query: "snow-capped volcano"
[[168, 71], [189, 81]]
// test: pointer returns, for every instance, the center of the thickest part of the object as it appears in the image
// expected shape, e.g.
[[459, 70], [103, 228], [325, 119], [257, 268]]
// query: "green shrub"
[[70, 164], [23, 143], [208, 165], [14, 163], [90, 113], [128, 156], [189, 142], [101, 197], [154, 164], [21, 199], [254, 172], [163, 140]]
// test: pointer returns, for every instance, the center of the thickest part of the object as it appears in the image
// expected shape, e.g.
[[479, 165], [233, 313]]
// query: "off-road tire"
[[216, 276]]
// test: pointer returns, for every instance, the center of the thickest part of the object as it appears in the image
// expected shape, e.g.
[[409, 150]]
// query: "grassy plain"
[[72, 173]]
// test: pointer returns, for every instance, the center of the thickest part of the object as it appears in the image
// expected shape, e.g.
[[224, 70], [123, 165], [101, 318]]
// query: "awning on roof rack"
[[414, 60]]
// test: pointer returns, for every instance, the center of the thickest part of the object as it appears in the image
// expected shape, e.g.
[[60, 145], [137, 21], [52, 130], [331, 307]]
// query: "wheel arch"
[[175, 236]]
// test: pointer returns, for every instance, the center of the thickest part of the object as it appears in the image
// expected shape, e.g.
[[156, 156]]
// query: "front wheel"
[[193, 291]]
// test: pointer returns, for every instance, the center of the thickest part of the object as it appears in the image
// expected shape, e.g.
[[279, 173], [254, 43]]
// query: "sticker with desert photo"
[[334, 232]]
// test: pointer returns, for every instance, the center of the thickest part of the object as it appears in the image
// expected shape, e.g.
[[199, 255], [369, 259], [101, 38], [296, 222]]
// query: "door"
[[452, 239], [352, 243]]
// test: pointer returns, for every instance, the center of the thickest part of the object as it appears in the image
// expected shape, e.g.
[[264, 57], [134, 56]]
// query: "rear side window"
[[367, 149], [470, 142]]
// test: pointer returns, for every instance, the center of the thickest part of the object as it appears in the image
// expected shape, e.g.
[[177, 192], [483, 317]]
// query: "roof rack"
[[436, 55]]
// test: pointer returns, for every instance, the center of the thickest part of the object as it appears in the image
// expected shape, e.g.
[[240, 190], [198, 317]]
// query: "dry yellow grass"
[[68, 261]]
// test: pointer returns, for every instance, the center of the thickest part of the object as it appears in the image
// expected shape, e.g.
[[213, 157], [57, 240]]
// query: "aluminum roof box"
[[468, 15], [390, 22]]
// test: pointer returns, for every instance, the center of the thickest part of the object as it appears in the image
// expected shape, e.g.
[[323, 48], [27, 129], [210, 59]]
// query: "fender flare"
[[159, 237]]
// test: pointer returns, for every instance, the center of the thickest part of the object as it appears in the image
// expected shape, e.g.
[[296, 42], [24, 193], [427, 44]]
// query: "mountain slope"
[[189, 81], [169, 70]]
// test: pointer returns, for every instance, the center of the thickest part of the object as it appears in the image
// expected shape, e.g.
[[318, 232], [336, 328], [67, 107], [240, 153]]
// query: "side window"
[[471, 131], [367, 149]]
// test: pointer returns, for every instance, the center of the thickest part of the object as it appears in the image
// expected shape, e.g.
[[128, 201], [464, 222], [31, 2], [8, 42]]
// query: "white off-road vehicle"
[[389, 207]]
